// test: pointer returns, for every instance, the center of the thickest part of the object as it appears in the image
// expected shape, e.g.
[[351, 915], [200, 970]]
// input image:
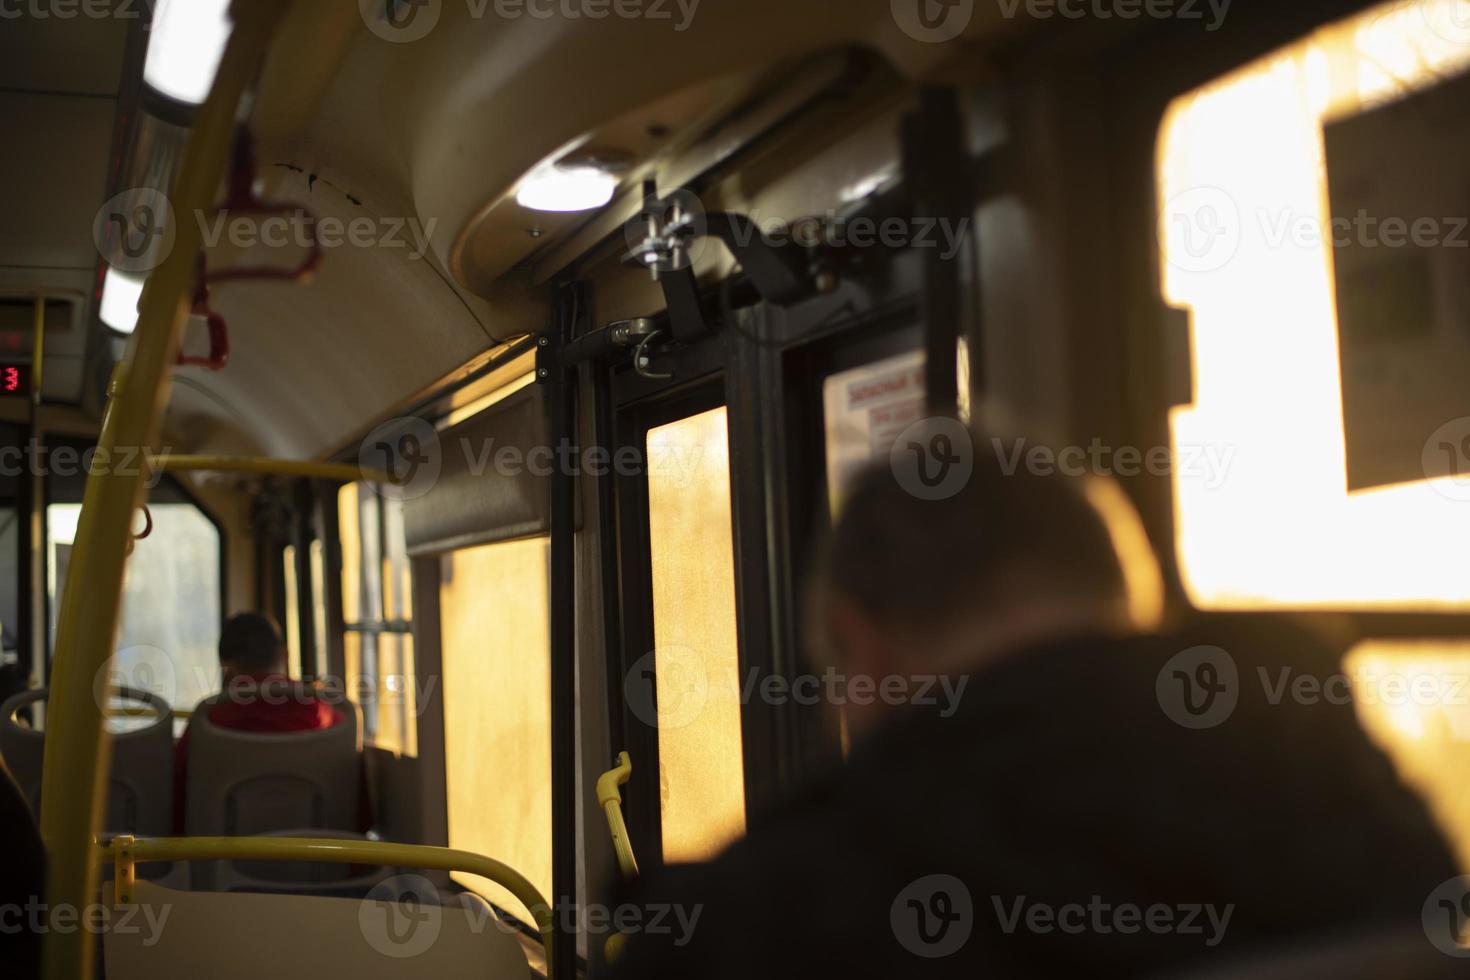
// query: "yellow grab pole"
[[77, 749], [37, 516], [127, 852]]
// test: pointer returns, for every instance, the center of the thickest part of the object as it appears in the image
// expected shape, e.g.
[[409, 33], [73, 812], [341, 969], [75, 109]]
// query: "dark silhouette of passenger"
[[22, 882], [1093, 802], [258, 695]]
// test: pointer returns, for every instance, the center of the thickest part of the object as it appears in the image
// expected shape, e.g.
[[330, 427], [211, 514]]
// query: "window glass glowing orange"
[[1281, 529], [1412, 698], [1277, 526], [495, 625], [696, 656], [293, 610]]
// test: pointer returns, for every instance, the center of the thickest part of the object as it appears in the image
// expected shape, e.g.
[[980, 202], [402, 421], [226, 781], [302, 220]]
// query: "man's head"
[[913, 587], [251, 644]]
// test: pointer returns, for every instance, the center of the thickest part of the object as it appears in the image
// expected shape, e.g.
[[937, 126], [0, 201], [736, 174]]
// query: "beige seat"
[[246, 783], [208, 934], [140, 796]]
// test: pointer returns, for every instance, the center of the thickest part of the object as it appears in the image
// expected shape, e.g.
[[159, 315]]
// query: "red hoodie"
[[256, 714]]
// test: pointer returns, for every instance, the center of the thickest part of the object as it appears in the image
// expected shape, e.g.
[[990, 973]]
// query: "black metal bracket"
[[669, 227], [940, 178]]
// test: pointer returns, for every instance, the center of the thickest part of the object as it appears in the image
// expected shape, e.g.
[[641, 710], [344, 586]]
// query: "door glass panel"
[[865, 409], [696, 656], [495, 621]]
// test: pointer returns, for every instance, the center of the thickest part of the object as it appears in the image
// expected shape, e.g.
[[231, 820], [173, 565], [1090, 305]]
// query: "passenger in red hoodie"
[[258, 695]]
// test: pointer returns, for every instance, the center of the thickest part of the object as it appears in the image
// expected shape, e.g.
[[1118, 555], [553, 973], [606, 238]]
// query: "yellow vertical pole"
[[77, 749], [37, 516]]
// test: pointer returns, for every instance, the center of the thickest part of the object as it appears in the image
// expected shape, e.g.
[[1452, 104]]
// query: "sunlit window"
[[377, 616], [168, 635], [292, 625], [1298, 309], [1412, 698], [495, 626], [1247, 233], [696, 656]]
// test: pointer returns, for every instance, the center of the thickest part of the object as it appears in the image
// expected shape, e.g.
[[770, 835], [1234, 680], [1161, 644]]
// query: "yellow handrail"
[[127, 852], [610, 798], [345, 472], [77, 756]]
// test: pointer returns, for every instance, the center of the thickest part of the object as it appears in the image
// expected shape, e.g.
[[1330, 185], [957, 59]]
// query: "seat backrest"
[[207, 934], [140, 795], [247, 783], [23, 747], [303, 877]]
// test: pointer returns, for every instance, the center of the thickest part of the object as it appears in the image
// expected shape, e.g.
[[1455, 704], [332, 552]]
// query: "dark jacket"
[[1079, 829]]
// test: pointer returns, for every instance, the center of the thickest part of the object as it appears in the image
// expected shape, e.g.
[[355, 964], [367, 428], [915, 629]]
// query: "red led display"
[[15, 380]]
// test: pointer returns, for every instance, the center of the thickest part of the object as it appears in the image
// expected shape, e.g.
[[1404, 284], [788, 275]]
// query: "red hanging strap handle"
[[146, 532], [219, 331], [243, 200]]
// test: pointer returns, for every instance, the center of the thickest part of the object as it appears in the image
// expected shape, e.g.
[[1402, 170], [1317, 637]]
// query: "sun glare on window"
[[1248, 229]]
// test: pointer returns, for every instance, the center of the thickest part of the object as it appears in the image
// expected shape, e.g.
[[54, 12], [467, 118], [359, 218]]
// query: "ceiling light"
[[120, 295], [555, 187], [185, 47]]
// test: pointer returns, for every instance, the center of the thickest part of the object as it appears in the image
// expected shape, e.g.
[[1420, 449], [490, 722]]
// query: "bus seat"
[[247, 783], [239, 936], [281, 877], [140, 794], [1403, 954]]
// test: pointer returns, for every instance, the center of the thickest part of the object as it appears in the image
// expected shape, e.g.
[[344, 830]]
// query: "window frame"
[[370, 577], [175, 488]]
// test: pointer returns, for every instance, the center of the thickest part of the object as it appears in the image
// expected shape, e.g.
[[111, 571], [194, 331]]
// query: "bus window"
[[495, 633], [378, 618], [1411, 698], [696, 657], [168, 637], [1265, 513], [292, 626], [1280, 188], [318, 558]]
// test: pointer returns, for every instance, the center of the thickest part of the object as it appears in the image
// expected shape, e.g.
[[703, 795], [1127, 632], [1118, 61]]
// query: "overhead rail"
[[78, 756]]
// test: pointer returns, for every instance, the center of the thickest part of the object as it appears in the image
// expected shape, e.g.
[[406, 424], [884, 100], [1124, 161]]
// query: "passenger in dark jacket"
[[1093, 801]]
